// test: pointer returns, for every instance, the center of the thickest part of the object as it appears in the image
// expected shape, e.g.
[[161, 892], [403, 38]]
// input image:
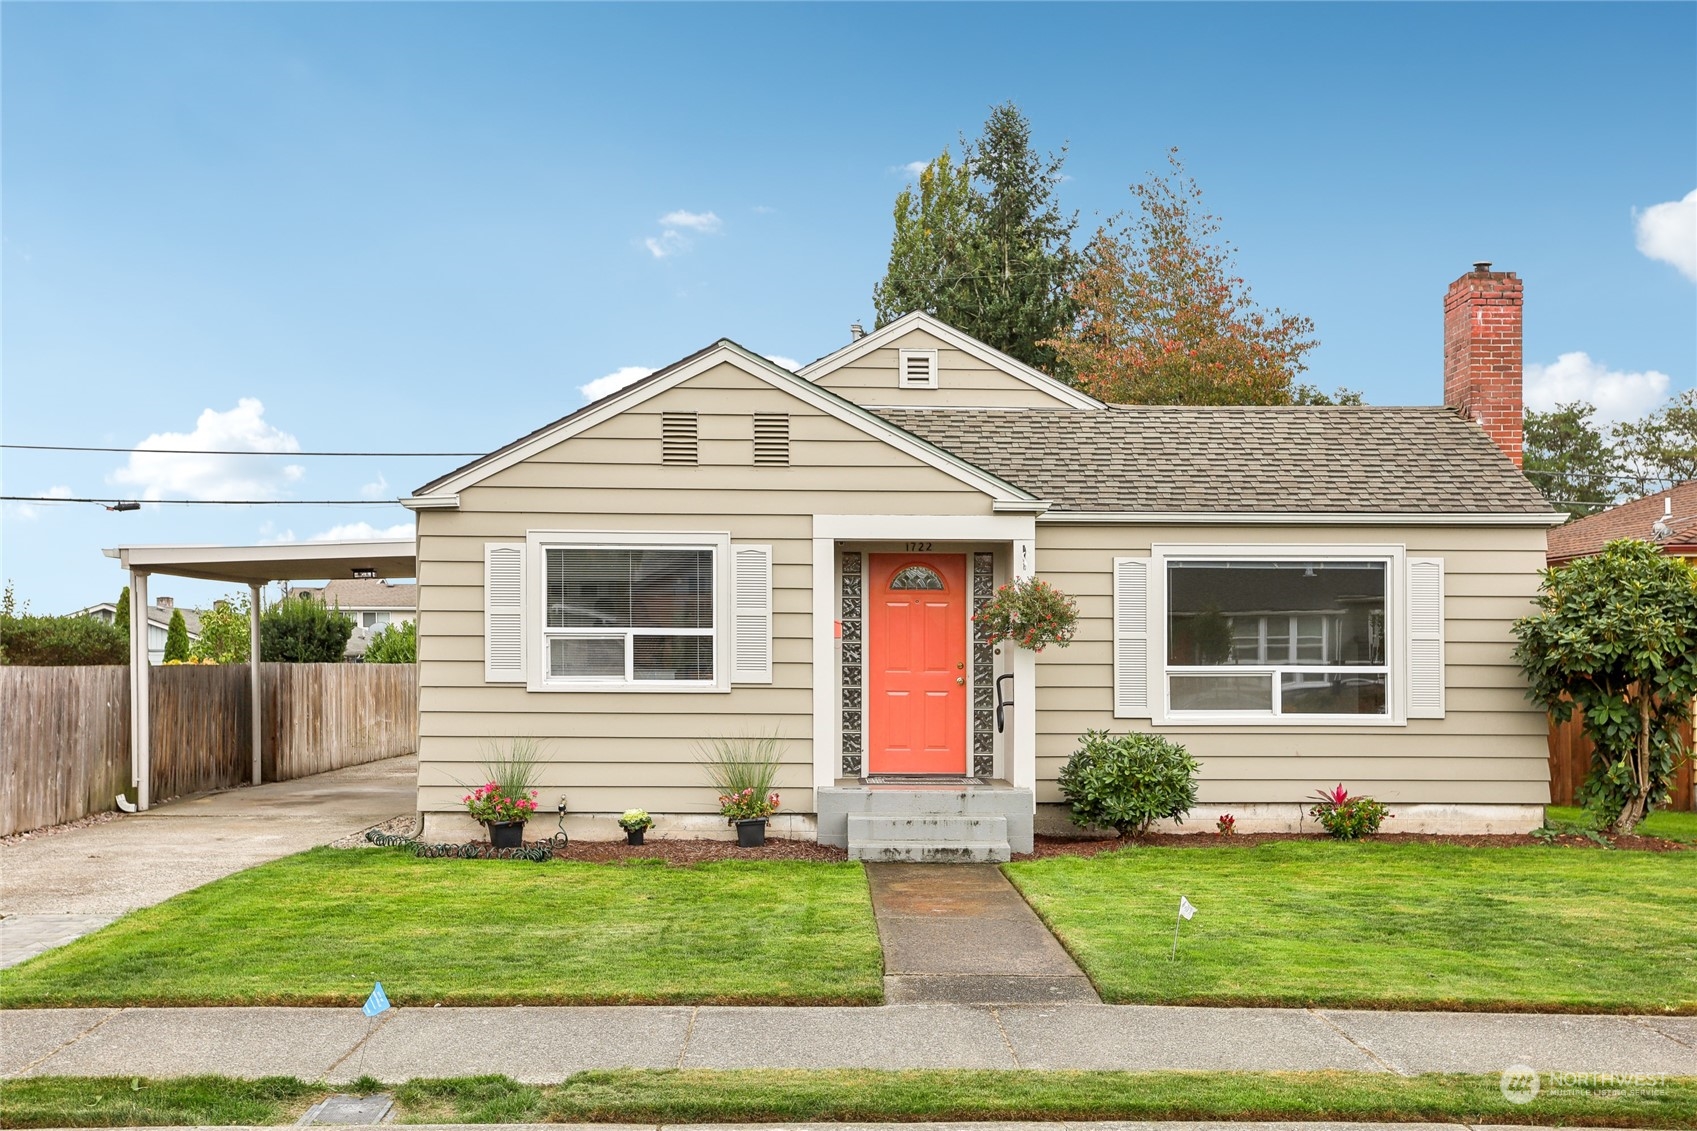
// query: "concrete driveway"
[[56, 888]]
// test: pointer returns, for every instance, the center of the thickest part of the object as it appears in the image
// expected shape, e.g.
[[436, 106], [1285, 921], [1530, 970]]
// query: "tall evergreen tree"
[[1569, 459], [121, 615], [177, 637], [984, 246]]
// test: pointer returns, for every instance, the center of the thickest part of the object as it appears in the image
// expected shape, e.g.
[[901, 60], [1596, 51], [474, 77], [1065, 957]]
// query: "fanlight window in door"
[[916, 577]]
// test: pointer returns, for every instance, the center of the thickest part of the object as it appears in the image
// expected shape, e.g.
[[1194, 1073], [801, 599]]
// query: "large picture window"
[[631, 615], [1277, 637]]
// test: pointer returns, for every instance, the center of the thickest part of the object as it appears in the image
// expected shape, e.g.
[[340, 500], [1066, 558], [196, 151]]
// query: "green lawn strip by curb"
[[1378, 925], [320, 927], [671, 1096]]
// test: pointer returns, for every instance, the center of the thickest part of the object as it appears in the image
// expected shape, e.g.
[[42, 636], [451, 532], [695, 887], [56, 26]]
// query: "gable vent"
[[772, 438], [678, 442], [918, 369]]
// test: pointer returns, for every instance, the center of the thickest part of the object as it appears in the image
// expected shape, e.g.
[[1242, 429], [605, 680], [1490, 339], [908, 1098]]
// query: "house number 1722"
[[919, 547]]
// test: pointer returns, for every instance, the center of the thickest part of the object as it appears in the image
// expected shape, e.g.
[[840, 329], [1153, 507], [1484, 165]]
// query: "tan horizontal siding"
[[609, 751], [962, 380], [1489, 747]]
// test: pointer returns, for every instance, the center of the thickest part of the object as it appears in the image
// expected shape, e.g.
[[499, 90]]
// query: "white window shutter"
[[503, 612], [751, 614], [1131, 638], [1425, 638]]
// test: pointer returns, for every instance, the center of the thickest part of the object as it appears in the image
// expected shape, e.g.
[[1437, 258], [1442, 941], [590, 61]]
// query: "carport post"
[[254, 677], [141, 734]]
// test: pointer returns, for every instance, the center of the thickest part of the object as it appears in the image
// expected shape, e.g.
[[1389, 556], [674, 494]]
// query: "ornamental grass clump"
[[1128, 782], [1346, 817], [508, 795], [743, 770], [1031, 613]]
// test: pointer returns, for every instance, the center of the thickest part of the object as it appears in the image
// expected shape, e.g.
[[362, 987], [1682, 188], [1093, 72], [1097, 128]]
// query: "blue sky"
[[429, 226]]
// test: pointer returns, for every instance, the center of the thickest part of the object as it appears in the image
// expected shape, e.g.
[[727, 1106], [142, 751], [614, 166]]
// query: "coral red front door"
[[916, 664]]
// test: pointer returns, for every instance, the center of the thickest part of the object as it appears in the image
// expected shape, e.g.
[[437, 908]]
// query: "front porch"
[[922, 750]]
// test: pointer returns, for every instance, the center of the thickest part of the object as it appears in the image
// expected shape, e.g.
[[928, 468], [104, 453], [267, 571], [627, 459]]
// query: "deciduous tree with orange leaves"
[[1163, 318]]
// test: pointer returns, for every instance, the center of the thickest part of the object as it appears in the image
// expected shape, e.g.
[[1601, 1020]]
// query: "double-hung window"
[[1277, 637], [630, 615]]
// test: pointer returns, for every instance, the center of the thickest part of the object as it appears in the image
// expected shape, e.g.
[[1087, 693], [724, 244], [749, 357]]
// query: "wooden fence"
[[1570, 761], [65, 732]]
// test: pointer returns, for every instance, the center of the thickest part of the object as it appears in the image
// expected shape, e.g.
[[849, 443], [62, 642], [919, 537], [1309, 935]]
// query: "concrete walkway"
[[59, 887], [542, 1044], [960, 933]]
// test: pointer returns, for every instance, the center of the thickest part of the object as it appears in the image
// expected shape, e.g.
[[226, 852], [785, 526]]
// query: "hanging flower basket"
[[1030, 613]]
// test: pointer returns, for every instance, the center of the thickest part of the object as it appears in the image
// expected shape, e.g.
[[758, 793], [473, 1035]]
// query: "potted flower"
[[503, 813], [506, 801], [748, 810], [1031, 613], [635, 822]]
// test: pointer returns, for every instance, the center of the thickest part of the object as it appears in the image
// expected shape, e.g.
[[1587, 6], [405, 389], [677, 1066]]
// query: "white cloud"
[[763, 210], [783, 362], [1668, 232], [363, 531], [159, 474], [614, 381], [1575, 377], [704, 222], [666, 243], [30, 512], [377, 489], [912, 168]]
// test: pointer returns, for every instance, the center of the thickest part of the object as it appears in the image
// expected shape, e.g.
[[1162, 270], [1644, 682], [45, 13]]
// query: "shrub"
[[177, 638], [1128, 782], [224, 632], [397, 643], [1616, 636], [35, 641], [301, 630], [1226, 825], [1346, 817]]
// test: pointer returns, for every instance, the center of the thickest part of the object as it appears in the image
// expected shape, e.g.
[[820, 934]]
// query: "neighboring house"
[[374, 605], [1668, 518], [158, 623], [727, 548]]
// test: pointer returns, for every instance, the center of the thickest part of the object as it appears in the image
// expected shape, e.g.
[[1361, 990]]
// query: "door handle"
[[1002, 702], [960, 681]]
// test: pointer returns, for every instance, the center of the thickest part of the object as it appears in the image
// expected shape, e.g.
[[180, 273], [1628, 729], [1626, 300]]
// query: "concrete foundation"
[[1292, 817]]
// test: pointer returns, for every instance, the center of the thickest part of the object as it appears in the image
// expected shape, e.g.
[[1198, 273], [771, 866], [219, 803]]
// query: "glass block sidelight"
[[850, 651], [983, 668]]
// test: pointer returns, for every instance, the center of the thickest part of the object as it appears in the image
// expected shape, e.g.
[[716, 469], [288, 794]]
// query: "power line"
[[226, 452], [212, 502]]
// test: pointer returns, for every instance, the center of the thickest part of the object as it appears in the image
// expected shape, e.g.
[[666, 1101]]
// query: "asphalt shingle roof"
[[1342, 459], [1637, 519]]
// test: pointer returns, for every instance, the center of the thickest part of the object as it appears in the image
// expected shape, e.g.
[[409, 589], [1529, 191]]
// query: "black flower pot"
[[506, 834], [751, 833], [634, 836]]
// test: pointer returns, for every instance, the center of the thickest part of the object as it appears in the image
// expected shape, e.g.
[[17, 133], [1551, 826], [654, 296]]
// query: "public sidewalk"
[[543, 1044]]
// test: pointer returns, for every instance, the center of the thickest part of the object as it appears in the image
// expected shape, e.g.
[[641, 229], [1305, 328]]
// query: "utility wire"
[[225, 452], [212, 502]]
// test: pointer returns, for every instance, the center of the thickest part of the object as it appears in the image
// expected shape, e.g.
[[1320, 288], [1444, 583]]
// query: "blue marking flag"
[[377, 1002]]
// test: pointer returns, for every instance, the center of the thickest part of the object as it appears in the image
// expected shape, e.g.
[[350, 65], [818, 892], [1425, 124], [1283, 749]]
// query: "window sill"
[[552, 687], [1239, 721]]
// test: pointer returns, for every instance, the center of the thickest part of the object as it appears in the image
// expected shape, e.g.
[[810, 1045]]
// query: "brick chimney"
[[164, 603], [1482, 367]]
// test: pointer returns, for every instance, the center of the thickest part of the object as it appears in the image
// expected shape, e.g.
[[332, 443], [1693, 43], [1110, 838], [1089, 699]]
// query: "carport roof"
[[256, 565]]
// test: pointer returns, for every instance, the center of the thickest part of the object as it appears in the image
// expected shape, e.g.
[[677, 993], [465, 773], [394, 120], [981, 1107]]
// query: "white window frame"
[[1394, 557], [537, 634]]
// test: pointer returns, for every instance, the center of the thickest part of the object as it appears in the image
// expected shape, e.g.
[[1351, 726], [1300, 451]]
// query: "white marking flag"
[[1185, 909]]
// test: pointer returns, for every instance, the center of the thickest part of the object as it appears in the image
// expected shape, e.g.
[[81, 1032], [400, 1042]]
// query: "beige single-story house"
[[1301, 596]]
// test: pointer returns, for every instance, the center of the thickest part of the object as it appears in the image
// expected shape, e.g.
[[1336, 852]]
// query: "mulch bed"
[[1047, 846]]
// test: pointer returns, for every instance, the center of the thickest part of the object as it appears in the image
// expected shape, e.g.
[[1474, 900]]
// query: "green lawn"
[[319, 928], [1379, 925], [634, 1096], [1664, 823]]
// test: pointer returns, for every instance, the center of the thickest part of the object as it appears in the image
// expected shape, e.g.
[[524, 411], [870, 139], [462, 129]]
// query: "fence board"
[[1570, 761], [65, 732]]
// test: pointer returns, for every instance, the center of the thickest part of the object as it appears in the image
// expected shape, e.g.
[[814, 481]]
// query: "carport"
[[255, 567]]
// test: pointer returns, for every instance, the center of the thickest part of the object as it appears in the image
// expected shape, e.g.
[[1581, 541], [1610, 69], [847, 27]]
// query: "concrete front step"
[[930, 852], [936, 827]]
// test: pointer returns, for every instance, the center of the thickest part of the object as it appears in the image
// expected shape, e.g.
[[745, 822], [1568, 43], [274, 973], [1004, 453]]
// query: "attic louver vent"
[[678, 438], [772, 438], [918, 369]]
